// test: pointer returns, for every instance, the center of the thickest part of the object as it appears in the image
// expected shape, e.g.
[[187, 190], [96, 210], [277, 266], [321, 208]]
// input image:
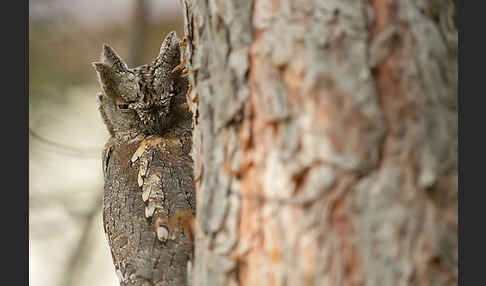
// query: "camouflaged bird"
[[149, 198]]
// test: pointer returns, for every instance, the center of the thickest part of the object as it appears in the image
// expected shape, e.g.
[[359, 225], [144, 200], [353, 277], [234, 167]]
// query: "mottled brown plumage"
[[148, 190]]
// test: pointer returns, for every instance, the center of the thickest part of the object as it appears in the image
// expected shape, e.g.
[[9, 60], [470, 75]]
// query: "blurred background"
[[66, 241]]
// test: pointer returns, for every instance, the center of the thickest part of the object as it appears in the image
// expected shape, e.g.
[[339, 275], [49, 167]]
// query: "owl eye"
[[122, 106]]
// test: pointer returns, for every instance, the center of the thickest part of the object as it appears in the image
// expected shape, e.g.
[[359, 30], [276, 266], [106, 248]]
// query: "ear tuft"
[[169, 41], [111, 58]]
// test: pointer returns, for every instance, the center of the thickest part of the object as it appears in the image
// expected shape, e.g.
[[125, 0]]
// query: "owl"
[[149, 199]]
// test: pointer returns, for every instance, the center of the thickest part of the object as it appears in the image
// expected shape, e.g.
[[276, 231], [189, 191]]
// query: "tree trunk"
[[325, 141]]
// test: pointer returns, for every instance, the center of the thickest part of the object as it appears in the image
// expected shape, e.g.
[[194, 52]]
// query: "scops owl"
[[149, 195]]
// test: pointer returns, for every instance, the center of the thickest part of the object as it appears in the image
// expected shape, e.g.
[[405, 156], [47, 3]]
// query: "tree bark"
[[325, 141]]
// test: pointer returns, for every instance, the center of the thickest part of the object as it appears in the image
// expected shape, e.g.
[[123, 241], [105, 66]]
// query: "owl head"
[[140, 99]]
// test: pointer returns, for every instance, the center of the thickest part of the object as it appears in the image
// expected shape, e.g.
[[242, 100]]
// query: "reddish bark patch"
[[340, 217], [387, 85], [293, 77], [346, 126], [248, 255], [382, 15]]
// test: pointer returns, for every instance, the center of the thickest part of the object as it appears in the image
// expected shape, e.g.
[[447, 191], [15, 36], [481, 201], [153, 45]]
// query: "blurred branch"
[[67, 149], [82, 252]]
